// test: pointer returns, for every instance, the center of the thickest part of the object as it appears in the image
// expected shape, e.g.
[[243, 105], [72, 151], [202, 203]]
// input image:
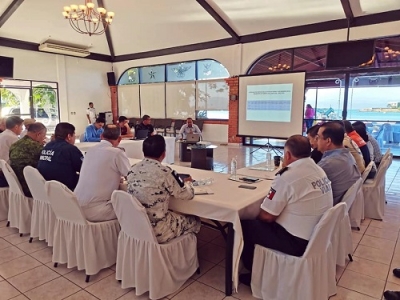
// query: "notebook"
[[201, 190]]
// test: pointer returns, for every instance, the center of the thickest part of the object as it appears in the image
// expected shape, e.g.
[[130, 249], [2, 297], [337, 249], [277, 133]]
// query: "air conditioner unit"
[[61, 49]]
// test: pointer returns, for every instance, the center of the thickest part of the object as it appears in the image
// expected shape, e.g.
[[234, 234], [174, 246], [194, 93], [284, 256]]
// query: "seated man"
[[8, 137], [27, 123], [153, 184], [2, 124], [26, 152], [124, 127], [373, 146], [312, 137], [300, 194], [355, 152], [60, 160], [102, 168], [337, 161], [145, 125], [189, 127], [94, 131]]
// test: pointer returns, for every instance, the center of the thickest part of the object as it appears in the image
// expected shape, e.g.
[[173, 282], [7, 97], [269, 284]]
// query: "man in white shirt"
[[299, 196], [91, 113], [100, 175], [190, 128], [7, 138]]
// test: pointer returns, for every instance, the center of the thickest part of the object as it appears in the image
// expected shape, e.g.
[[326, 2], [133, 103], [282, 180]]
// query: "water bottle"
[[233, 167], [270, 163]]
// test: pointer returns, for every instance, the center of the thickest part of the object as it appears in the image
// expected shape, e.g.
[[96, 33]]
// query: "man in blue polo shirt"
[[60, 160], [94, 131], [337, 161]]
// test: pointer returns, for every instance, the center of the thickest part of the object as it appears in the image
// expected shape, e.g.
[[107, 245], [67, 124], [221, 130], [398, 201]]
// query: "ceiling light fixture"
[[86, 20]]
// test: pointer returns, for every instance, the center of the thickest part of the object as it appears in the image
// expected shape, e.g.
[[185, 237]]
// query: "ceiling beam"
[[9, 11], [347, 10], [108, 34], [211, 11]]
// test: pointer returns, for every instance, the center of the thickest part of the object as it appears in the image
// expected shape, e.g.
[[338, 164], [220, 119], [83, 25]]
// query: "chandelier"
[[279, 67], [86, 20]]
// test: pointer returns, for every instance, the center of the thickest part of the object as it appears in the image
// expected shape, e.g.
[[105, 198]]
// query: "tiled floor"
[[26, 271]]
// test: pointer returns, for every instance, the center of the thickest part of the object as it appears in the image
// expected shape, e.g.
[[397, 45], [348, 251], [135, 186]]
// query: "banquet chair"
[[367, 170], [142, 263], [386, 155], [374, 193], [82, 137], [20, 206], [355, 205], [3, 202], [342, 241], [77, 242], [43, 218], [279, 276]]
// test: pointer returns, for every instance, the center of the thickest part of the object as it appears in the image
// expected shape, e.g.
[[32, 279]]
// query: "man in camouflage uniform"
[[153, 184], [26, 152]]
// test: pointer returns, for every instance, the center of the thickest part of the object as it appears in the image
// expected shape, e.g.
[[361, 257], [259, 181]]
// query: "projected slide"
[[269, 102]]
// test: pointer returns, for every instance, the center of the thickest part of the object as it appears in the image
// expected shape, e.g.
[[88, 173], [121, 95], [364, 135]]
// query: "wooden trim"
[[9, 11], [347, 10], [108, 34]]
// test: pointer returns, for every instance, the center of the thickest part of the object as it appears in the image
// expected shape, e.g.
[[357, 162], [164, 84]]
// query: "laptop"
[[192, 137], [141, 134]]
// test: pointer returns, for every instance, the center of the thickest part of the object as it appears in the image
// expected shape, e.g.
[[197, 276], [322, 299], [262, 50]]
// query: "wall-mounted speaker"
[[111, 78]]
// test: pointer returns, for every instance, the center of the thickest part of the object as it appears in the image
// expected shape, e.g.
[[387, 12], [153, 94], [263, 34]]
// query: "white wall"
[[215, 133], [79, 81]]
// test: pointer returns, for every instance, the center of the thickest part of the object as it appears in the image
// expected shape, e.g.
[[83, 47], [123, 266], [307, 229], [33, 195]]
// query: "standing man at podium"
[[189, 128]]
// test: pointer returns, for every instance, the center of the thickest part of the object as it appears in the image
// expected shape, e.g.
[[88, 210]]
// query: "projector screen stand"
[[269, 147]]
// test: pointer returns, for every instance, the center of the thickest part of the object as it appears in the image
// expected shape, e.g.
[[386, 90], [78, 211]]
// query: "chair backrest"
[[132, 216], [367, 171], [64, 203], [82, 137], [179, 124], [199, 123], [12, 180], [35, 183], [351, 193], [322, 234], [386, 155], [380, 175]]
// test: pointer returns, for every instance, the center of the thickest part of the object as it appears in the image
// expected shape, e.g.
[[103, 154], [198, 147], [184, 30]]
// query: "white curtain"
[[152, 99], [212, 95], [180, 99], [128, 101]]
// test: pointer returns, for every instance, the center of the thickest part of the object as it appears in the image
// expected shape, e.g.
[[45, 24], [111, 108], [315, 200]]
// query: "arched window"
[[179, 90]]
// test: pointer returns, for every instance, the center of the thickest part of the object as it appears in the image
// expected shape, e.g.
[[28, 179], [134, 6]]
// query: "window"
[[152, 74], [183, 97], [211, 69], [212, 100], [130, 76], [181, 71]]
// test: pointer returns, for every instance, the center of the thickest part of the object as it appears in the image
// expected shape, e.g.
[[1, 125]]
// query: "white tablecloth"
[[133, 148], [228, 204]]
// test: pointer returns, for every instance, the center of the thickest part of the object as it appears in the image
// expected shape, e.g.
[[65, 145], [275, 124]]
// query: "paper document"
[[201, 190]]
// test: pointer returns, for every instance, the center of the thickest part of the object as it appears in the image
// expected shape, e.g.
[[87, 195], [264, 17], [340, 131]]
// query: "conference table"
[[133, 148], [229, 204]]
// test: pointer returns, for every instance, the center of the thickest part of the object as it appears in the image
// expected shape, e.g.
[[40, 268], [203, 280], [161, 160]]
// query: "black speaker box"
[[111, 78]]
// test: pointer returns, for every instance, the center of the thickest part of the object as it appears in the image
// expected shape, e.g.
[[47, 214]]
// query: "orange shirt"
[[357, 138]]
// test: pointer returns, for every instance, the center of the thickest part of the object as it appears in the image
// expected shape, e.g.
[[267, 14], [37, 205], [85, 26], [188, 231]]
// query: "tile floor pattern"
[[26, 270]]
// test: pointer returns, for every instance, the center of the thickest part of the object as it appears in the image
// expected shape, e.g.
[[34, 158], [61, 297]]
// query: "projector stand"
[[269, 146]]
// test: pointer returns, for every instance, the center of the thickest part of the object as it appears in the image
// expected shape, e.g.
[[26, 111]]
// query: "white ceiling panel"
[[3, 5], [372, 7], [141, 26], [36, 21], [265, 15]]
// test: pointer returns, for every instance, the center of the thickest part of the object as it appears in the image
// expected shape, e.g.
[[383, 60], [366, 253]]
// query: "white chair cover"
[[386, 155], [3, 203], [374, 193], [20, 207], [142, 263], [355, 205], [77, 242], [367, 170], [280, 276], [43, 218], [342, 241]]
